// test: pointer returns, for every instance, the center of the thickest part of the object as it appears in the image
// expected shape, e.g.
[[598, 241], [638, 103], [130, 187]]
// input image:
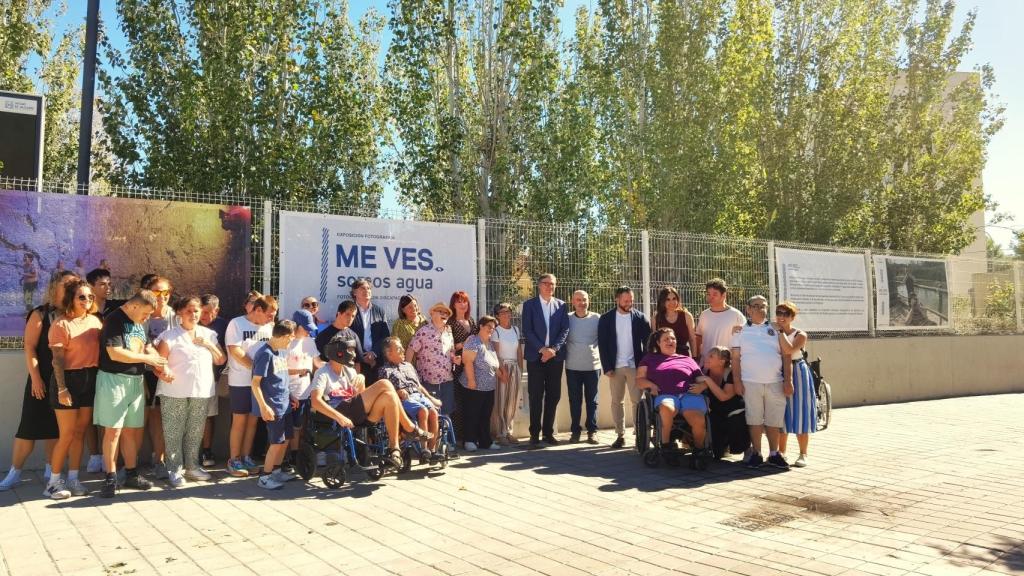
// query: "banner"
[[829, 288], [322, 255], [201, 248], [913, 293]]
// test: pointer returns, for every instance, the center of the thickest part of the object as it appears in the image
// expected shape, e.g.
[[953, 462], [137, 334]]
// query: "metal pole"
[[268, 235], [771, 277], [868, 275], [1017, 266], [92, 21], [481, 265], [645, 263]]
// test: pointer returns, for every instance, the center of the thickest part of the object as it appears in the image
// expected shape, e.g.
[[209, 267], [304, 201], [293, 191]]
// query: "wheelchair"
[[413, 449], [822, 393], [647, 424], [364, 447]]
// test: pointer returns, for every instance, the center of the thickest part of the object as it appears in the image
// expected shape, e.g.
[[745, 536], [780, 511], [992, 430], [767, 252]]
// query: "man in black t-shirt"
[[125, 351], [342, 324]]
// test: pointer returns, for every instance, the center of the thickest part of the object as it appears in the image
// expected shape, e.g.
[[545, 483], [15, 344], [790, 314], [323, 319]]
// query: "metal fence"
[[984, 294]]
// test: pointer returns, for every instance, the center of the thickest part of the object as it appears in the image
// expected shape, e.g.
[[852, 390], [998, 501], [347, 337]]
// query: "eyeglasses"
[[86, 297], [161, 293], [310, 304], [759, 306], [547, 283], [783, 312]]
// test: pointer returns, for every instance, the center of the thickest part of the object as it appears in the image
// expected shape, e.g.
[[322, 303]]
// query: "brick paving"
[[931, 488]]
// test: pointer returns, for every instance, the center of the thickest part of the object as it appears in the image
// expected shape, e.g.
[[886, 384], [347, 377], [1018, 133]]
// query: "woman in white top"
[[802, 405], [507, 396], [185, 387]]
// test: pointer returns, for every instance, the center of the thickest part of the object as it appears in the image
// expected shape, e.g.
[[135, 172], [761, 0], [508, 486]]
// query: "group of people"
[[103, 372]]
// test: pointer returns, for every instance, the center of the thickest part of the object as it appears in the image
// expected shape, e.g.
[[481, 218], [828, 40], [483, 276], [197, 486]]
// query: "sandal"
[[395, 458], [421, 433]]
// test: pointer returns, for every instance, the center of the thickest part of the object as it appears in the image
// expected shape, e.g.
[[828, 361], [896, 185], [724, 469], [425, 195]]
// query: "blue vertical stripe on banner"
[[324, 253]]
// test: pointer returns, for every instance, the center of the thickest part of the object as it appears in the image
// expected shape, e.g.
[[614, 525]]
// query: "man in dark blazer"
[[545, 329], [371, 325], [622, 334]]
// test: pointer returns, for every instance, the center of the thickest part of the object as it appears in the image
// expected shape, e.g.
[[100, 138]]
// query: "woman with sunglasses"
[[37, 419], [75, 343], [801, 406], [311, 304]]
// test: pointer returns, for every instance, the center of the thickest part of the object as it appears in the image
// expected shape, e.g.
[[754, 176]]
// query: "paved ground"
[[923, 488]]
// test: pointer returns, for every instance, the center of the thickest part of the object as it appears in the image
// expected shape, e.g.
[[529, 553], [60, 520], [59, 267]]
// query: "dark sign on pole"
[[21, 146]]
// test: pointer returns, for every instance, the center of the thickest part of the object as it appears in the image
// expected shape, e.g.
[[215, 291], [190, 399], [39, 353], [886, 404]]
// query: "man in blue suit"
[[545, 328], [622, 334]]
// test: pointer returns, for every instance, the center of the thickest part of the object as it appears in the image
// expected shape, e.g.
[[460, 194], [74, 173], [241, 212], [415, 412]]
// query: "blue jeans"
[[582, 384]]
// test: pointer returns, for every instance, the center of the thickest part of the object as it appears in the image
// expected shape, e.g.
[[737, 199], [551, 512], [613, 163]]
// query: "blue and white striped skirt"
[[801, 409]]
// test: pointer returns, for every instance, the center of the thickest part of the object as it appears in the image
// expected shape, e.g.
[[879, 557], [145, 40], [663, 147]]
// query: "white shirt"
[[715, 328], [367, 338], [244, 334], [624, 340], [300, 356], [760, 354], [191, 364], [506, 342], [546, 307]]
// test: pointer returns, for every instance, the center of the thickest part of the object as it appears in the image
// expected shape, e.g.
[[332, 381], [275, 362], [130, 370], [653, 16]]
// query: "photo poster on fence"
[[200, 248], [912, 293], [829, 288], [322, 255]]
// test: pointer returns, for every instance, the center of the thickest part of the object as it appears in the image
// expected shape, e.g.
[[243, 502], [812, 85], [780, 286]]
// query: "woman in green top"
[[409, 320]]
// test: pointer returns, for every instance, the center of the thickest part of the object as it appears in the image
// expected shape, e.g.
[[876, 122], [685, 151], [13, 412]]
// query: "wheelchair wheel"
[[334, 475], [305, 463], [652, 458], [824, 405], [642, 426], [442, 455], [406, 459]]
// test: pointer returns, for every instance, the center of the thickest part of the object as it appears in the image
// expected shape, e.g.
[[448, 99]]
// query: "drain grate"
[[760, 520]]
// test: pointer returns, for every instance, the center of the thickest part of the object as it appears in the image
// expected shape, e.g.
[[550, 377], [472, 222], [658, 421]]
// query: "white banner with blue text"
[[322, 255]]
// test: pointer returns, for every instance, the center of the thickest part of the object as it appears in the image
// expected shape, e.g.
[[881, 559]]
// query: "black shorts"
[[354, 410], [152, 400], [241, 399], [81, 383], [38, 421]]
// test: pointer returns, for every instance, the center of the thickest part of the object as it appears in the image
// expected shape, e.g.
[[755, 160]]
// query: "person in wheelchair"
[[342, 395], [673, 380], [418, 404]]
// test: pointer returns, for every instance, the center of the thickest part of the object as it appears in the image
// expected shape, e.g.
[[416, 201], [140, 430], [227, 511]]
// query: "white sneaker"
[[494, 446], [801, 461], [175, 479], [267, 482], [95, 464], [198, 475], [11, 480], [76, 488], [470, 446], [282, 476], [56, 490]]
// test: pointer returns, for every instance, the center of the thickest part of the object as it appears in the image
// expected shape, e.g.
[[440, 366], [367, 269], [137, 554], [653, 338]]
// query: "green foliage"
[[275, 99]]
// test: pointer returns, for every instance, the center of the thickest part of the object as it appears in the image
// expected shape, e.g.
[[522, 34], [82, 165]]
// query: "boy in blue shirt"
[[271, 400]]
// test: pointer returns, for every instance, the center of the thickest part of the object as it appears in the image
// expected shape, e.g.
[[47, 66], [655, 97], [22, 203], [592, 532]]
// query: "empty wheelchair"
[[648, 426]]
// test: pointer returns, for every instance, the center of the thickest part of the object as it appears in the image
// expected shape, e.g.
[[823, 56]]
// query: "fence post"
[[645, 267], [481, 265], [1016, 295], [772, 288], [868, 275], [268, 235]]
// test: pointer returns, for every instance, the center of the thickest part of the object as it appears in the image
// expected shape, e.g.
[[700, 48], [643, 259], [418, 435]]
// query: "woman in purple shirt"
[[672, 378]]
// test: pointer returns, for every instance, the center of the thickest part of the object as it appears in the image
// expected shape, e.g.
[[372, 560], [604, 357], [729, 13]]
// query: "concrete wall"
[[861, 371]]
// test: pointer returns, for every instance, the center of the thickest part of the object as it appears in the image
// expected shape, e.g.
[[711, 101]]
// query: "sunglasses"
[[783, 313], [161, 293], [310, 304], [86, 297]]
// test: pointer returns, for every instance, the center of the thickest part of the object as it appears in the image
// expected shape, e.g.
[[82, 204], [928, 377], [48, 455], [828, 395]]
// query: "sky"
[[997, 41]]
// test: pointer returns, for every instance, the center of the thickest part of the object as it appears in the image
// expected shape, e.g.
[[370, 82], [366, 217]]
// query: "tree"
[[273, 99]]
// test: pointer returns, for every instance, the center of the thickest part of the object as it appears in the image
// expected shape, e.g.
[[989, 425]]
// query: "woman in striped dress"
[[801, 411]]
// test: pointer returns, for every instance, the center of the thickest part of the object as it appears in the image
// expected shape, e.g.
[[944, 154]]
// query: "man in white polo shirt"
[[764, 379]]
